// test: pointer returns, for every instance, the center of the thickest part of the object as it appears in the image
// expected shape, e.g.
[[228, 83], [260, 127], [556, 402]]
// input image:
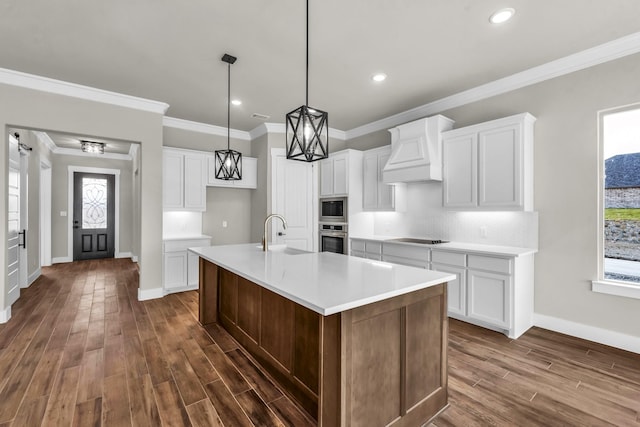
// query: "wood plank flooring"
[[81, 350]]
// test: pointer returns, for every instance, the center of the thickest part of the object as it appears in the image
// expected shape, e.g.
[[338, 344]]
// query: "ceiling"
[[72, 141], [170, 51]]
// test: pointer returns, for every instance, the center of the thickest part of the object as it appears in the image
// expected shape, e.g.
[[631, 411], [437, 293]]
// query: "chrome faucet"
[[265, 245]]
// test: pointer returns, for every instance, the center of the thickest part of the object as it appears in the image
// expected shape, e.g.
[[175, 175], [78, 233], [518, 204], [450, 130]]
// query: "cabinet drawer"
[[373, 248], [411, 262], [451, 258], [183, 245], [406, 251], [488, 263], [357, 245]]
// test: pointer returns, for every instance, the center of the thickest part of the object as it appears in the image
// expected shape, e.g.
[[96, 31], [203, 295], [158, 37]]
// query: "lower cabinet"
[[495, 292], [370, 249], [180, 267]]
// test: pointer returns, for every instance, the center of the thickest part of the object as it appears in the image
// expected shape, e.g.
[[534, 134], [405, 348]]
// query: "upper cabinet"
[[490, 165], [183, 180], [249, 174], [334, 174], [376, 195]]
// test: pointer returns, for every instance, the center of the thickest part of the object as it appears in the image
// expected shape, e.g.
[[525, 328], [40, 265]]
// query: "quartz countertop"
[[324, 282], [172, 237], [475, 248]]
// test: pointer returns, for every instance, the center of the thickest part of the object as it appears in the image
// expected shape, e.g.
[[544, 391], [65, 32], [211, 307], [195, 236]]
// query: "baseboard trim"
[[5, 315], [124, 255], [60, 260], [591, 333], [34, 276], [134, 258], [147, 294]]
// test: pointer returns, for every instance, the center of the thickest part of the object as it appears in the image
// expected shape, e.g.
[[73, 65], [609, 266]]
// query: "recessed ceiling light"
[[502, 15], [236, 102], [379, 77]]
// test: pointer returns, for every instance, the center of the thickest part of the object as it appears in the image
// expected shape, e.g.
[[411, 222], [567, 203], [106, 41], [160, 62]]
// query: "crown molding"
[[264, 128], [600, 54], [189, 125], [59, 87], [46, 140]]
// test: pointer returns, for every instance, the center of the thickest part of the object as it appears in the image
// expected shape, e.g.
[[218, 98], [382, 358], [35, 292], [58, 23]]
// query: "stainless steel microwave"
[[333, 209]]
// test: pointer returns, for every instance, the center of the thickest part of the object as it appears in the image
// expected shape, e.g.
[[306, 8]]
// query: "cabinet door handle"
[[280, 233]]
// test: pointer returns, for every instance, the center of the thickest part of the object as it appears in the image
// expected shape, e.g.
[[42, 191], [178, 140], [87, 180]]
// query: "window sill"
[[616, 288]]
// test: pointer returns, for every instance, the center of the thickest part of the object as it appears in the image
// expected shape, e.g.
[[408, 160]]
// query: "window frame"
[[602, 285]]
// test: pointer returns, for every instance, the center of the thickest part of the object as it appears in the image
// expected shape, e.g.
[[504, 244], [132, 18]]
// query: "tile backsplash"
[[426, 218]]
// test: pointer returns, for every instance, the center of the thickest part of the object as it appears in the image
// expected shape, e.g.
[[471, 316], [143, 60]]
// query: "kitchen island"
[[353, 341]]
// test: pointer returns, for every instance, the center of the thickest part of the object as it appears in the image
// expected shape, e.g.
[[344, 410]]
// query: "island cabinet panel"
[[382, 363], [277, 328], [376, 369], [395, 345], [208, 292], [249, 311], [229, 296], [423, 350], [306, 342]]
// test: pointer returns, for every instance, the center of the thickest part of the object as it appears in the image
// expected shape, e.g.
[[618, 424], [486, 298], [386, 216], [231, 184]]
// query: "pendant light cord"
[[228, 105], [307, 64]]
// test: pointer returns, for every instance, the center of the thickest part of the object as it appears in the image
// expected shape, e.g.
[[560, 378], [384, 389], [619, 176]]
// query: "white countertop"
[[185, 237], [510, 251], [324, 282]]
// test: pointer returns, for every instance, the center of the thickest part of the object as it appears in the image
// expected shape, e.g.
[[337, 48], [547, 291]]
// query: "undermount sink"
[[419, 241], [284, 249]]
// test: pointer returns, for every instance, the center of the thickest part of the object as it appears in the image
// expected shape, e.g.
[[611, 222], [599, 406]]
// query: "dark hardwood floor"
[[81, 350]]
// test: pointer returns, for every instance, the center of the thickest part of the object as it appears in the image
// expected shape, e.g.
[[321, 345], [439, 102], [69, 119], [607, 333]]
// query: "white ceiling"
[[170, 50], [71, 141]]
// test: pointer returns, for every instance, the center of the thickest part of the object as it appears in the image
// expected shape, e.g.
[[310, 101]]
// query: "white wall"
[[32, 109]]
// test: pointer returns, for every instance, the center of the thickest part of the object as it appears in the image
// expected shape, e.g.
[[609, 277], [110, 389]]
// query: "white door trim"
[[45, 212], [116, 230]]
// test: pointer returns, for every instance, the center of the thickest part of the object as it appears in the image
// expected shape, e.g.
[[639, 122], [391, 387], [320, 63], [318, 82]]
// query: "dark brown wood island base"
[[383, 363]]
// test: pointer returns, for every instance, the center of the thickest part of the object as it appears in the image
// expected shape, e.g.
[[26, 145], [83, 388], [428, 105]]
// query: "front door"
[[93, 216]]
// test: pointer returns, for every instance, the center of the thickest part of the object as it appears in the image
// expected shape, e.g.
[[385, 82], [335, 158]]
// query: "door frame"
[[116, 172], [45, 212]]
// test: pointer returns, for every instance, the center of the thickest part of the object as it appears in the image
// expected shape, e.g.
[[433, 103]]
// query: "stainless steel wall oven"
[[333, 238]]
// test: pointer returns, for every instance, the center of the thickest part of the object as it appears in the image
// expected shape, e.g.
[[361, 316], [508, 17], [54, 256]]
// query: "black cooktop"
[[419, 241]]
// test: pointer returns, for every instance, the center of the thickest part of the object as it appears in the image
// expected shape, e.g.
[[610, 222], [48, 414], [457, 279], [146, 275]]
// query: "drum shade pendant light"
[[307, 127], [228, 162]]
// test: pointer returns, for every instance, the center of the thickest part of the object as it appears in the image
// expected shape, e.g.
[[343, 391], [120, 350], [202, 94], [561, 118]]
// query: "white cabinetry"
[[490, 291], [413, 256], [183, 175], [490, 165], [370, 249], [334, 175], [376, 195], [180, 269], [249, 174]]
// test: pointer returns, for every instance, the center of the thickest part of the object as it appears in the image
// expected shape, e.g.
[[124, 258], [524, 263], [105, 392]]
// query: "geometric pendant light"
[[307, 128], [228, 162]]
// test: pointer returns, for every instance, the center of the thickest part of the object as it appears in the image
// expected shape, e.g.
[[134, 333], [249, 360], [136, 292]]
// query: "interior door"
[[292, 184], [93, 215], [13, 218]]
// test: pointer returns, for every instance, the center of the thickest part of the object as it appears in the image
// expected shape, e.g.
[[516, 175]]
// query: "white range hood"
[[416, 151]]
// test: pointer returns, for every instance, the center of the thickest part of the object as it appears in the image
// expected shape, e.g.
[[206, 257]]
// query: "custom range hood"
[[416, 151]]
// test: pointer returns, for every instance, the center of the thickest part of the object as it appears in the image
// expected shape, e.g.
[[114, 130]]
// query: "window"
[[619, 205]]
